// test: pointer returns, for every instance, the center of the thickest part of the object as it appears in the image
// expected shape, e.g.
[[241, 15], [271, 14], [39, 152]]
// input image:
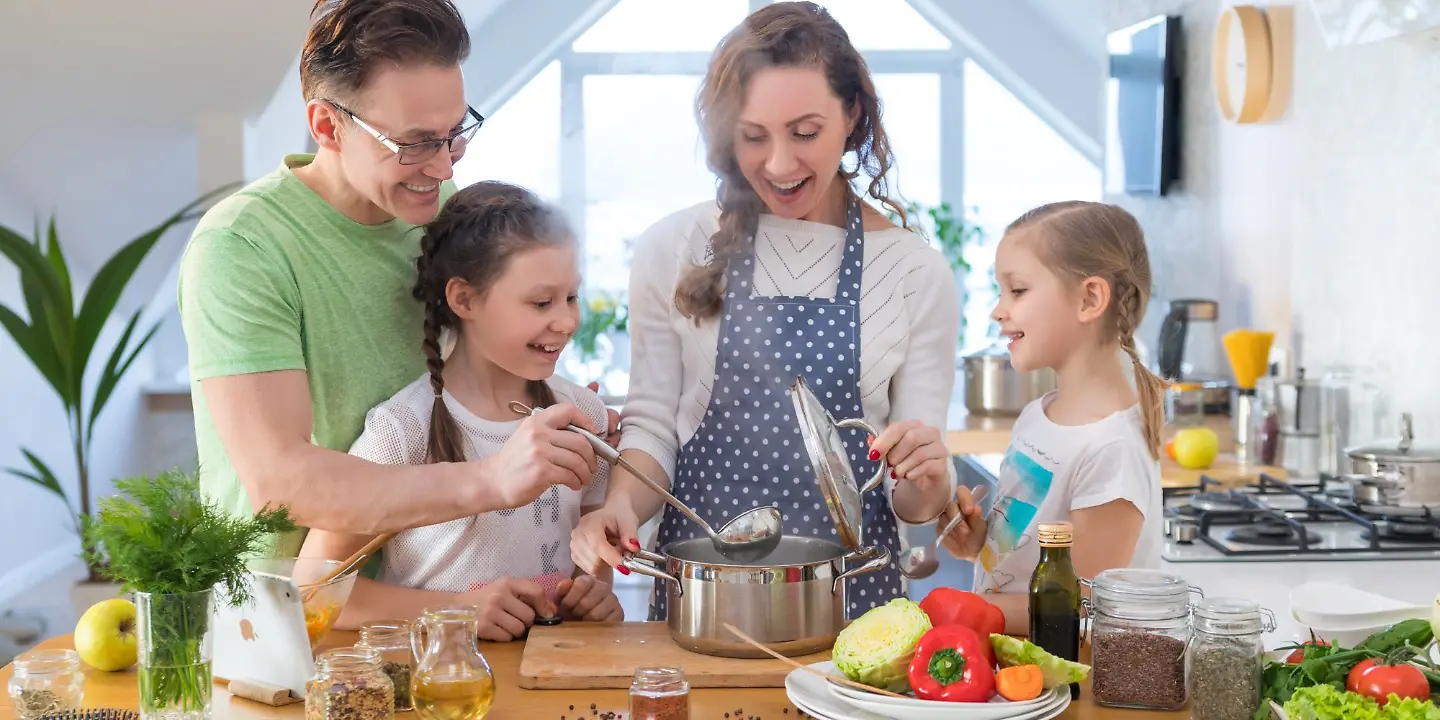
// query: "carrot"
[[1021, 682]]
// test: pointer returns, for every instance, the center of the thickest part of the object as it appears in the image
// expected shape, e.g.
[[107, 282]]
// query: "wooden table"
[[119, 690]]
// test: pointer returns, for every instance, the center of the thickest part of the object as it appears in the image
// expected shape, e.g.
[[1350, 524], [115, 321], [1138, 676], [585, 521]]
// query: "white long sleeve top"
[[909, 309]]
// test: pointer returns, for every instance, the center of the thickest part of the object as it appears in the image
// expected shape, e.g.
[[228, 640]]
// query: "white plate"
[[808, 692], [1051, 705]]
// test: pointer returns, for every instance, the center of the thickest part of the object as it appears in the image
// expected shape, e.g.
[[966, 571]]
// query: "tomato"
[[1378, 681], [1299, 653], [1170, 448]]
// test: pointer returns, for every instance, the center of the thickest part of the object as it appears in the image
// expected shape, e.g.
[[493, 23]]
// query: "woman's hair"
[[473, 238], [1090, 239], [784, 34]]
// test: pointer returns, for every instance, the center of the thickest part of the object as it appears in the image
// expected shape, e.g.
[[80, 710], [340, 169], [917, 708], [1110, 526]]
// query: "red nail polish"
[[874, 454], [892, 475], [634, 543], [623, 570]]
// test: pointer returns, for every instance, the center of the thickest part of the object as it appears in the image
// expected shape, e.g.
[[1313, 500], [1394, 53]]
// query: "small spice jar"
[[349, 685], [397, 657], [1139, 627], [46, 682], [659, 693], [1226, 658]]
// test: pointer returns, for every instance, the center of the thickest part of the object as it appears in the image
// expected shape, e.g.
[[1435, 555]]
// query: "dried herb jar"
[[397, 656], [659, 693], [46, 682], [1226, 658], [1139, 628], [349, 684]]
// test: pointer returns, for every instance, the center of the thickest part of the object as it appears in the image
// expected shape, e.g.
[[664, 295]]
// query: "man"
[[294, 293]]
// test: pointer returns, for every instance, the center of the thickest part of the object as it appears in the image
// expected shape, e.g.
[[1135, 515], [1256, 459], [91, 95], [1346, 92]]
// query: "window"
[[519, 143]]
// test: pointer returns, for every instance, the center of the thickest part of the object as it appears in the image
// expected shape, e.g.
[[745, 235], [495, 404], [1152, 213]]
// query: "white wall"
[[1323, 222]]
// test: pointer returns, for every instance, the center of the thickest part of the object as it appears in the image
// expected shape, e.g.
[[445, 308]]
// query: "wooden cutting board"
[[584, 656]]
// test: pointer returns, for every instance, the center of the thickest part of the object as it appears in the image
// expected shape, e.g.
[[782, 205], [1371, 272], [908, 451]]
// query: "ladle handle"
[[612, 456]]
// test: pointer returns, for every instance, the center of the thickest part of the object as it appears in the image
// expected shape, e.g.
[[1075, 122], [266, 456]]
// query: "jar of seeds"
[[349, 684], [1139, 626], [46, 682], [1226, 658], [397, 658]]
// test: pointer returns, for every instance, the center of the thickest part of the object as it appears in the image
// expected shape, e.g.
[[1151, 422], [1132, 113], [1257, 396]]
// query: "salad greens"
[[875, 649], [1324, 702], [1328, 666], [1057, 671]]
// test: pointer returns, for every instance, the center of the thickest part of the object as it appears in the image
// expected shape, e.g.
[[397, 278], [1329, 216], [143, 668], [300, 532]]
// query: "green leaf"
[[42, 475], [37, 347], [116, 367], [105, 290], [62, 269], [32, 264]]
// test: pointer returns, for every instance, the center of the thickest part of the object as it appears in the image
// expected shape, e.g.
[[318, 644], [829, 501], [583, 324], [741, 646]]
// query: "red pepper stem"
[[947, 666]]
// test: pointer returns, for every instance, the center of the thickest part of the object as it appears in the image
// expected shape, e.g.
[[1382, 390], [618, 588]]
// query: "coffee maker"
[[1190, 350]]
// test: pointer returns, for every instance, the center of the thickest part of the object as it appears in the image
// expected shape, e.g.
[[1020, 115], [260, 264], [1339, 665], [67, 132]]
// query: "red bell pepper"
[[950, 665], [948, 606]]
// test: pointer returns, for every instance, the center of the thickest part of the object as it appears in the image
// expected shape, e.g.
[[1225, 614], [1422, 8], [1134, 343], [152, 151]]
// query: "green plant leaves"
[[41, 475]]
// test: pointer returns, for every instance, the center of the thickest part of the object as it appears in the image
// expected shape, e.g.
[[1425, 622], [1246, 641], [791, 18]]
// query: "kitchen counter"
[[119, 690]]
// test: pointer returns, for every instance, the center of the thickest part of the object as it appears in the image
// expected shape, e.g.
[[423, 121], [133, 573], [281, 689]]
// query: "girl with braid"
[[1074, 282], [499, 278]]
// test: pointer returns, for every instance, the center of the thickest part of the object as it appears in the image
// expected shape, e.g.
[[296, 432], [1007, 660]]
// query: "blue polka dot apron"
[[748, 450]]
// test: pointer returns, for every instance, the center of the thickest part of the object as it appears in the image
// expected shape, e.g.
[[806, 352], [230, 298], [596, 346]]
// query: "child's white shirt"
[[530, 542], [1050, 471]]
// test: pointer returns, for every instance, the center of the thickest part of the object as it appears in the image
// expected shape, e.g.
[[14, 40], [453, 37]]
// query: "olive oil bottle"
[[1055, 596]]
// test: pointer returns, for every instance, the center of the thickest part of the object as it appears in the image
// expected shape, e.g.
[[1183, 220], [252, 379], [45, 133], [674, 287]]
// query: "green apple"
[[105, 636]]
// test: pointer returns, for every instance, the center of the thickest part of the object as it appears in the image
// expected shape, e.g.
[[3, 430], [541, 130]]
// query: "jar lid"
[[1056, 534], [1126, 584], [356, 657], [41, 662], [1233, 616], [1393, 452]]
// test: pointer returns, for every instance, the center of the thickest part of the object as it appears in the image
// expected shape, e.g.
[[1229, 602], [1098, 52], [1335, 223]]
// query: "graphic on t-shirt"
[[1024, 484]]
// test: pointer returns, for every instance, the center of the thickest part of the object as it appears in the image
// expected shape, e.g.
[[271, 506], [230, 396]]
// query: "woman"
[[786, 99]]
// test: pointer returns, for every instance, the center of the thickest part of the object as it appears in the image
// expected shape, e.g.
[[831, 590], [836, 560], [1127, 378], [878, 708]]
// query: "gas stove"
[[1272, 520]]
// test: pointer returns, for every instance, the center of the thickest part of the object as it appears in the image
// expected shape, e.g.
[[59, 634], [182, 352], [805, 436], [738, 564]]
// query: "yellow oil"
[[454, 697]]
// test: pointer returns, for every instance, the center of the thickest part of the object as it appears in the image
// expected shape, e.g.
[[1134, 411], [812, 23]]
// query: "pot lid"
[[833, 472], [1403, 451]]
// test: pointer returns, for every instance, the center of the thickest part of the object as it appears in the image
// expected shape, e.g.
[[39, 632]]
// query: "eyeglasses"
[[418, 152]]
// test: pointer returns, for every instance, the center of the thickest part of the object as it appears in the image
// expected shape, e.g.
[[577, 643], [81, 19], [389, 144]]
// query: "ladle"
[[749, 536], [921, 561]]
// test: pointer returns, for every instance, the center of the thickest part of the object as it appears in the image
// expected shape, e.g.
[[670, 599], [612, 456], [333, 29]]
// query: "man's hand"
[[612, 430], [543, 453], [585, 598]]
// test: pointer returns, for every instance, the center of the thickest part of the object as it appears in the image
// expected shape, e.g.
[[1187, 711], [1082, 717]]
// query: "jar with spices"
[[397, 657], [349, 684], [46, 682], [1139, 627], [1226, 658], [659, 693]]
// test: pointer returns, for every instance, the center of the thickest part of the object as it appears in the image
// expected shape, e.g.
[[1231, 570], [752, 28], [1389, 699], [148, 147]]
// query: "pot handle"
[[880, 561], [884, 470], [649, 570]]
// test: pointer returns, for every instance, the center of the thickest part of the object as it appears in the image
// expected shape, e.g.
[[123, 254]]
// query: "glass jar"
[[397, 658], [46, 682], [349, 685], [659, 693], [1226, 658], [1139, 626], [453, 680], [1185, 405]]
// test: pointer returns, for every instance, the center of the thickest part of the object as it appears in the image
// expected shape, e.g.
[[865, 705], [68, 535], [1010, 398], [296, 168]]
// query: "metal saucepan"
[[794, 602], [1402, 475], [994, 387]]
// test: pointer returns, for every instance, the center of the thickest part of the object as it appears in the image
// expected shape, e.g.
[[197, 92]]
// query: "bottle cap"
[[1056, 534]]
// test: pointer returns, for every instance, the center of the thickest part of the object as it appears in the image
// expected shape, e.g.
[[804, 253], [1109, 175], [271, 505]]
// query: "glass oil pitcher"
[[452, 679]]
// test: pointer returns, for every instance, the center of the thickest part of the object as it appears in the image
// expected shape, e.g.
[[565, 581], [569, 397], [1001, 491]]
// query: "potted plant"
[[60, 340], [601, 342], [160, 539]]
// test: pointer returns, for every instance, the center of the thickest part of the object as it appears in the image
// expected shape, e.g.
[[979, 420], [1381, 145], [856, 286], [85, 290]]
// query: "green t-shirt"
[[275, 278]]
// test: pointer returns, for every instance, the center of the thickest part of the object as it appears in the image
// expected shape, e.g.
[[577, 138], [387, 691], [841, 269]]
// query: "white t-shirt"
[[530, 542], [1052, 470]]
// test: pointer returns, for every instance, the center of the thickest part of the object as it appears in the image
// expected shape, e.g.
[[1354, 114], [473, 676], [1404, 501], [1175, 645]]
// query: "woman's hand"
[[602, 538], [967, 539], [507, 607], [917, 455], [588, 599]]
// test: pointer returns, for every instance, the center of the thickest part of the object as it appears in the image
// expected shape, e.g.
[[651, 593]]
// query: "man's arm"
[[264, 422]]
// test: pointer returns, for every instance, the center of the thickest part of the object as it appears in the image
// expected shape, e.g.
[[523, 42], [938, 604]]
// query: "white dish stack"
[[830, 701]]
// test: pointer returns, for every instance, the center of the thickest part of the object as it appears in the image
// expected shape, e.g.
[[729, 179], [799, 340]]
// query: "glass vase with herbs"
[[176, 551], [1226, 657], [391, 638]]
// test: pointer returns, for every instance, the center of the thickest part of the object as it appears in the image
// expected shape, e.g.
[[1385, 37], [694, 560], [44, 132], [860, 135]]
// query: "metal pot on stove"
[[794, 599], [1401, 475]]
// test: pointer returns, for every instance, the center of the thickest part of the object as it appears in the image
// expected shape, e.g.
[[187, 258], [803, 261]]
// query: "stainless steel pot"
[[1396, 475], [793, 600], [994, 387]]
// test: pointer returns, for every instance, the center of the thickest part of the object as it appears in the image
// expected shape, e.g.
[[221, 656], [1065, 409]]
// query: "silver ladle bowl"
[[748, 537]]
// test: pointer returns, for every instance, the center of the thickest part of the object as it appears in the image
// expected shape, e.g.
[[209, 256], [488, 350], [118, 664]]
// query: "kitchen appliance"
[[994, 387], [1190, 350], [1298, 406], [1397, 478], [794, 602]]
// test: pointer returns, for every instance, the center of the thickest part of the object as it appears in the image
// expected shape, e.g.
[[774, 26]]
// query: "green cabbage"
[[1326, 702], [876, 648], [1057, 671]]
